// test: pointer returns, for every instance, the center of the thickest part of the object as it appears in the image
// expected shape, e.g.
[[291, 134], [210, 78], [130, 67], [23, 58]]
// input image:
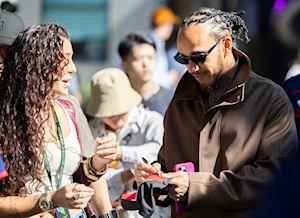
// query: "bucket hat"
[[111, 94]]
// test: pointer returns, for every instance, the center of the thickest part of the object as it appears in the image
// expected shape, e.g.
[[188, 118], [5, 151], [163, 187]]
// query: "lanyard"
[[63, 155]]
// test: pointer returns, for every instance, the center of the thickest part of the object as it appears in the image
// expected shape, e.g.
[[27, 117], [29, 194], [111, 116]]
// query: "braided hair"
[[219, 22]]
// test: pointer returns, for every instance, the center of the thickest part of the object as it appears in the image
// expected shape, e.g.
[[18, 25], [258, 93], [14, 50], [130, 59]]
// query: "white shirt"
[[53, 151]]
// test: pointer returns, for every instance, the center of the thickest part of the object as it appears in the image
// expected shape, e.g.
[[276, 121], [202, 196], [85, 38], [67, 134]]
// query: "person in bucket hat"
[[117, 111]]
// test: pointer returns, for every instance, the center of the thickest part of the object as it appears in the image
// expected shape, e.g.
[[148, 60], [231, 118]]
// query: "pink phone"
[[181, 207]]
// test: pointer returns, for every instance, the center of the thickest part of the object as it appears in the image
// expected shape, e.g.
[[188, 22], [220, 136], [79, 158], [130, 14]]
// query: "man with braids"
[[39, 135], [235, 126]]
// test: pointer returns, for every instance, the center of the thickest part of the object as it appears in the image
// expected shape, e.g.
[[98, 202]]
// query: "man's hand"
[[143, 170], [178, 186]]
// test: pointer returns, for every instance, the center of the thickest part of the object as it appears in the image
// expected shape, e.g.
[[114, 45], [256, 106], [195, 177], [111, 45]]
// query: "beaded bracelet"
[[90, 172]]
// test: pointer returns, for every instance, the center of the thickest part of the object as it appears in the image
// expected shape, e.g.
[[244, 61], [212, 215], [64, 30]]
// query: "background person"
[[294, 69], [138, 61], [163, 20], [14, 25], [116, 109], [171, 47], [235, 126]]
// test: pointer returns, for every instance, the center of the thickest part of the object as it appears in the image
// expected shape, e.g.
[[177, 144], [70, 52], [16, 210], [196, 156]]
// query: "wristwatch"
[[45, 202], [111, 214]]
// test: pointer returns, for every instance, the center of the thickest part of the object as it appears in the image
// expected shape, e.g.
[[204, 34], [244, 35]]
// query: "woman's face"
[[61, 86], [116, 122]]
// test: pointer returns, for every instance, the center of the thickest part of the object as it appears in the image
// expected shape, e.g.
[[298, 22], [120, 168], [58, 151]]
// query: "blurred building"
[[96, 26]]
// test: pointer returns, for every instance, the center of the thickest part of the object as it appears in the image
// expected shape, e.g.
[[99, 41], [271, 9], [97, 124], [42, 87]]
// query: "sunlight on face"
[[61, 86], [140, 63], [196, 39]]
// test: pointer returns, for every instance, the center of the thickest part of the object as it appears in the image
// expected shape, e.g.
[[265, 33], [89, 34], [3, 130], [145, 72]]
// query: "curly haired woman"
[[39, 136]]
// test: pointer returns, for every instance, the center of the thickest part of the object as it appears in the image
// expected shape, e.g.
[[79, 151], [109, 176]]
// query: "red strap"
[[78, 175], [72, 113]]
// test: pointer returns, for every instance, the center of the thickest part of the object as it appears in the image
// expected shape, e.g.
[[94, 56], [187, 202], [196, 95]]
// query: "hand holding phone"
[[187, 167], [181, 207]]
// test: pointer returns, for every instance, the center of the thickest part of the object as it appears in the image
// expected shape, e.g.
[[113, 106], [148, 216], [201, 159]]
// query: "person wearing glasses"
[[234, 125]]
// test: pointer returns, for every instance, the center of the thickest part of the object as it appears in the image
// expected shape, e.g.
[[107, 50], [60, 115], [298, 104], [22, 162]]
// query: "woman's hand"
[[73, 196]]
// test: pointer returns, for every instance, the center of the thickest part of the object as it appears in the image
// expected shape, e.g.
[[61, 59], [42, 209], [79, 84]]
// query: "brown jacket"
[[237, 144]]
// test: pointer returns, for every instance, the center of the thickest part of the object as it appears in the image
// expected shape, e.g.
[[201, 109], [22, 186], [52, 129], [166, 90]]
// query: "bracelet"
[[111, 214], [90, 172], [95, 172]]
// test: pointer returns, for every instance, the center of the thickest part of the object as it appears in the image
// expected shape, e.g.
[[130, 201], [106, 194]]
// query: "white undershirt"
[[72, 161]]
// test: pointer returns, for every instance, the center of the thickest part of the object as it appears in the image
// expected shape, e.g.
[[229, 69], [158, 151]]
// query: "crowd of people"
[[234, 126]]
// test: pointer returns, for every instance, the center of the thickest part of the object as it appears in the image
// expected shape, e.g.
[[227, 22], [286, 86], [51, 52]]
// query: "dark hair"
[[221, 23], [130, 41], [32, 64], [6, 5]]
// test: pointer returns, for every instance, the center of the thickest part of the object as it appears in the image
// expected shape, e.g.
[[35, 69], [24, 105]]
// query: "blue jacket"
[[292, 88]]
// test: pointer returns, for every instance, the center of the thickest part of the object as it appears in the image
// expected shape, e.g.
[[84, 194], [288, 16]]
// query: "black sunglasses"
[[196, 58]]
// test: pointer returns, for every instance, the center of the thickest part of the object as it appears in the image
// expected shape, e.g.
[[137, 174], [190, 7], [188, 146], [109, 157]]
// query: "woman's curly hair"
[[31, 67]]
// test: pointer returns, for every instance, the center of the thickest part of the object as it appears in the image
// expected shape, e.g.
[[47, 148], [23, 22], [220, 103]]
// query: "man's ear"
[[227, 45]]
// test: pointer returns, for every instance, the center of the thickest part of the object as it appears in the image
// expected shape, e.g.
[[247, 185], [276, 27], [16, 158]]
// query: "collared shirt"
[[221, 85]]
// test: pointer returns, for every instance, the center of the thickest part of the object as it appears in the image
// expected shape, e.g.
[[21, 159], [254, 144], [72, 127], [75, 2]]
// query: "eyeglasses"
[[196, 58]]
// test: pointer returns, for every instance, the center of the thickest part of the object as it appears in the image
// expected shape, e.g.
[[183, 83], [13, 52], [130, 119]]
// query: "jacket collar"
[[188, 87]]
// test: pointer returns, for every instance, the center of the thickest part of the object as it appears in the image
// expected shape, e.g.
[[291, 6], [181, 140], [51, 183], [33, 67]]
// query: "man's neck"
[[225, 77], [144, 88], [230, 64]]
